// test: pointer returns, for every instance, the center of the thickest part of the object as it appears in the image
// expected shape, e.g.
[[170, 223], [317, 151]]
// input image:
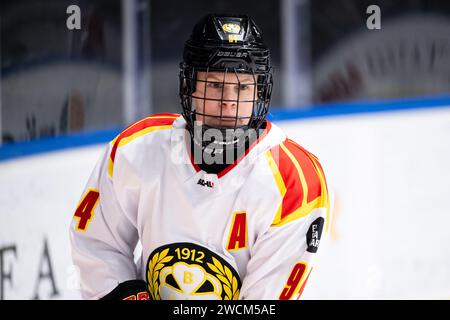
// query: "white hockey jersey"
[[249, 232]]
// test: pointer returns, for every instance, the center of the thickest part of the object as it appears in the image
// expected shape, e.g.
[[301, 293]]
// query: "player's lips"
[[227, 123], [218, 120]]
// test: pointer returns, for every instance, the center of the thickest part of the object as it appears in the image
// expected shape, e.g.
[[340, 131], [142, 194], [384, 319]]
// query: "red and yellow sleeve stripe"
[[300, 180], [150, 124]]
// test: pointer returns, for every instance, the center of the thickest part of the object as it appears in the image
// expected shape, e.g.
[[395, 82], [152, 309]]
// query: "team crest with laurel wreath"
[[186, 271]]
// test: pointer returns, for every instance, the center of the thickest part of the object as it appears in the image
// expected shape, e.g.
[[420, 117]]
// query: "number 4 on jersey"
[[85, 210]]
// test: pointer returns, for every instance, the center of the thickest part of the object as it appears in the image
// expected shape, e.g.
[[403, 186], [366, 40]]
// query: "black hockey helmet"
[[229, 44]]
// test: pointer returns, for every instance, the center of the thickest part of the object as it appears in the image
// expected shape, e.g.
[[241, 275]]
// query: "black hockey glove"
[[129, 290]]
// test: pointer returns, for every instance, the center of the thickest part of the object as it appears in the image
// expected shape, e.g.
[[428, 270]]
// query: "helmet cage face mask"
[[257, 87]]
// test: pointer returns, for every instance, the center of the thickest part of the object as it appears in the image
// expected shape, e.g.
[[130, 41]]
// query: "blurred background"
[[365, 89]]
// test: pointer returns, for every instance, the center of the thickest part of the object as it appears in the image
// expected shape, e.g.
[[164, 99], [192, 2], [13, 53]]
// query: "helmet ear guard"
[[188, 79]]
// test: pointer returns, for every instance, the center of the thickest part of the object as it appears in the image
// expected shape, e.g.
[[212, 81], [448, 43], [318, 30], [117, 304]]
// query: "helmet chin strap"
[[223, 147], [211, 139], [214, 156]]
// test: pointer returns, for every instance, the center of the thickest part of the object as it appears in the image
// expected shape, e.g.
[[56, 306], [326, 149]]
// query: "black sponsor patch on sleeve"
[[313, 235]]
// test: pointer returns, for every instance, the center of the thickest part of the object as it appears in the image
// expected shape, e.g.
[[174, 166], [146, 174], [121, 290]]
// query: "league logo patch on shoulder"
[[313, 235], [186, 271]]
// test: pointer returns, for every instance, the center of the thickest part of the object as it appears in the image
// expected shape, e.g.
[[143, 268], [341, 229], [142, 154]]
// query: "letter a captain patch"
[[238, 232]]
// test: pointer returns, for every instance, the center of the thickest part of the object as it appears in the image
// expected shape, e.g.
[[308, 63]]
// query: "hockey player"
[[222, 203]]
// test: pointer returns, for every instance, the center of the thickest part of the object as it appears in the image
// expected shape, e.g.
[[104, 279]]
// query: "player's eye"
[[243, 87], [215, 85]]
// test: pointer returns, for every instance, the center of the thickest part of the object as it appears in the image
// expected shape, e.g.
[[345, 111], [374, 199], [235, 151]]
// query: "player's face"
[[221, 97]]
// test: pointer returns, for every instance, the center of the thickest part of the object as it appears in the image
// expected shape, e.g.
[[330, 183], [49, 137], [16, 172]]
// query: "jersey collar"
[[181, 151]]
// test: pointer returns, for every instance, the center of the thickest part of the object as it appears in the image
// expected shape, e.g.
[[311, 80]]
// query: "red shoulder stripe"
[[307, 165], [153, 121], [291, 178]]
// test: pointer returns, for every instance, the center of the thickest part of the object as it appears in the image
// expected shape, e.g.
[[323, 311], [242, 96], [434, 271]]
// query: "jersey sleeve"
[[103, 235], [283, 257]]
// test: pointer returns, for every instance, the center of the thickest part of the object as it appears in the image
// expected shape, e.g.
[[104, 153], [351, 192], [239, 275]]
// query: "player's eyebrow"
[[215, 77], [242, 78]]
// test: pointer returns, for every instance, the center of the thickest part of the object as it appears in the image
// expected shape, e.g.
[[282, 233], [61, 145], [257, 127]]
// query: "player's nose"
[[230, 96]]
